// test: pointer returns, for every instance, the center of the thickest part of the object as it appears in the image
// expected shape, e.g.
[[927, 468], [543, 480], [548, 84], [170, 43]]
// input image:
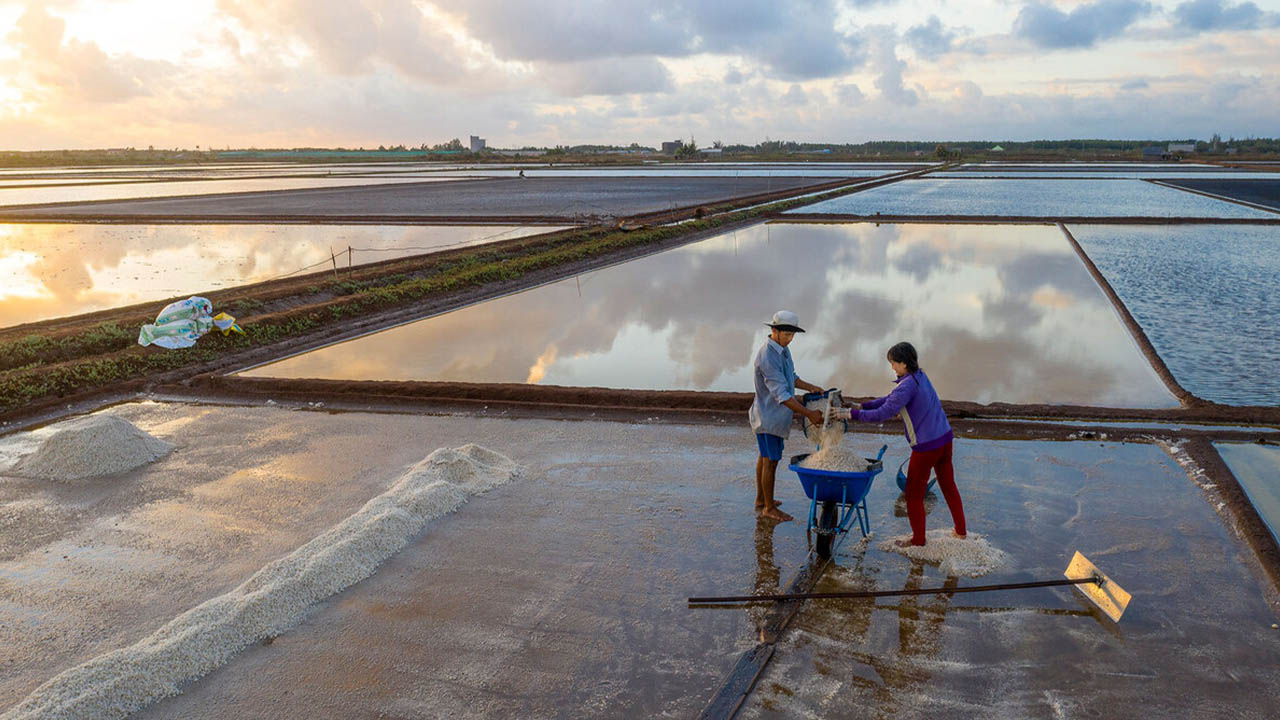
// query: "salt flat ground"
[[543, 196], [563, 592]]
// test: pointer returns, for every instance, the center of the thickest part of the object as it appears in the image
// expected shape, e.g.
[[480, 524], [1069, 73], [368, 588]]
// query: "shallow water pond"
[[1207, 296], [56, 270], [999, 313], [1257, 467], [1033, 197]]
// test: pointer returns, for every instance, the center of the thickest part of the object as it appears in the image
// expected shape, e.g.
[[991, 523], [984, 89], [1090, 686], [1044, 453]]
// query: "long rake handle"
[[891, 593]]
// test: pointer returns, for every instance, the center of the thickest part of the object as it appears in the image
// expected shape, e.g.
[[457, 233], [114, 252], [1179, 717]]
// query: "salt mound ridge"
[[120, 682], [972, 556], [89, 447]]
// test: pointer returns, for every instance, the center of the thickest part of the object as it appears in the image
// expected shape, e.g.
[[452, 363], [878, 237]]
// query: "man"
[[775, 401]]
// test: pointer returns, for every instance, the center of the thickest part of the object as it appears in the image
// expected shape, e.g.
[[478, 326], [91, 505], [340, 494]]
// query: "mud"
[[423, 394]]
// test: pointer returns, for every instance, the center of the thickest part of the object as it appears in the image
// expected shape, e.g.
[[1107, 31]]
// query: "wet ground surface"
[[116, 191], [556, 197], [1197, 290], [1032, 197], [1196, 641], [1257, 467], [55, 270], [1036, 328], [562, 589], [1263, 192], [563, 592]]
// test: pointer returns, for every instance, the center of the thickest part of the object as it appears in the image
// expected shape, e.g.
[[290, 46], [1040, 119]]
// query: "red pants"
[[918, 479]]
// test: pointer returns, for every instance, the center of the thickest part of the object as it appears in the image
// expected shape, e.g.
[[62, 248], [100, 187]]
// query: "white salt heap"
[[971, 556], [90, 447], [120, 682], [831, 453]]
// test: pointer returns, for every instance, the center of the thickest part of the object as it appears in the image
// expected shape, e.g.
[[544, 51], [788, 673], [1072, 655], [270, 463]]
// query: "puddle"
[[999, 313], [57, 270], [1034, 198], [1207, 298], [1257, 467]]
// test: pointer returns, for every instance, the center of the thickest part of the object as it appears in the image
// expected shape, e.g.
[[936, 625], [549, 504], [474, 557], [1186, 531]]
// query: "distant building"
[[672, 147], [477, 144], [1182, 147], [710, 151], [997, 149], [1152, 152]]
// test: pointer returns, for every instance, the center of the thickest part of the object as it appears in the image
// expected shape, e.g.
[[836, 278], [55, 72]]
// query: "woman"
[[928, 432]]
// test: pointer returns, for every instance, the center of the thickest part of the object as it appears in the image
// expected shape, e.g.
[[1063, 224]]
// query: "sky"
[[364, 73]]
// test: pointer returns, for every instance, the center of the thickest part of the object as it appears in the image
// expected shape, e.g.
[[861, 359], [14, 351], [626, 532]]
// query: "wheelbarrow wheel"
[[826, 528]]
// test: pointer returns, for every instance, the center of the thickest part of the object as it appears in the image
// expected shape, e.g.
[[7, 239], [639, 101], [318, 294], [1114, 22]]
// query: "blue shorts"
[[770, 446]]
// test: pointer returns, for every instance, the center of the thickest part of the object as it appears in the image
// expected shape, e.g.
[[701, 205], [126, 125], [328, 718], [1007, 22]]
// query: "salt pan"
[[85, 448], [971, 556], [120, 682]]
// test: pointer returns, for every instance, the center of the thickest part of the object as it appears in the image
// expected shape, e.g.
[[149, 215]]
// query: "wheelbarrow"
[[836, 499]]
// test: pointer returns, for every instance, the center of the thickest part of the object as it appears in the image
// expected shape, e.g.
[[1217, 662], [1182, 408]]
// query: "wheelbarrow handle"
[[880, 454]]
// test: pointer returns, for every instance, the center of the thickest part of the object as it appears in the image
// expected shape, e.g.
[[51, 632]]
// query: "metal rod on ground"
[[334, 259], [892, 593], [349, 261]]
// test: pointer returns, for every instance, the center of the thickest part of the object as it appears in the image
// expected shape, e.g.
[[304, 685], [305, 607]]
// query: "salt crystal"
[[970, 556], [120, 682], [89, 447]]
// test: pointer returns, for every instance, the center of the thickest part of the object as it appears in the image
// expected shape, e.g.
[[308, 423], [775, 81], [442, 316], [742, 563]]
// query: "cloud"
[[73, 69], [1047, 27], [353, 37], [889, 68], [795, 41], [795, 96], [608, 76], [930, 40], [1208, 15]]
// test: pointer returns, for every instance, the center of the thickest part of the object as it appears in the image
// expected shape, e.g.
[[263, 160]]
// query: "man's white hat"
[[786, 320]]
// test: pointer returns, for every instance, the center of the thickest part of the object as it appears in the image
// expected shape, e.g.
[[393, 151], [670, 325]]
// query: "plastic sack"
[[189, 309], [181, 324]]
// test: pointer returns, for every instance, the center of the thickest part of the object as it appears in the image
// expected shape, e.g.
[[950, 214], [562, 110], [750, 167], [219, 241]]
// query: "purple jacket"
[[927, 426]]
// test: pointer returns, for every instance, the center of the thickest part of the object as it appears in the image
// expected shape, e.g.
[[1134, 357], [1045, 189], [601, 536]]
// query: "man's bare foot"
[[760, 506], [959, 535], [906, 543], [774, 513]]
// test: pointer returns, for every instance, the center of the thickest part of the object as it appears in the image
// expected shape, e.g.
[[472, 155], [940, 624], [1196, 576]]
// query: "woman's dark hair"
[[904, 353]]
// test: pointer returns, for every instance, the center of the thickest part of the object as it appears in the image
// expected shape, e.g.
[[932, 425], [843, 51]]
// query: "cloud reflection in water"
[[999, 313]]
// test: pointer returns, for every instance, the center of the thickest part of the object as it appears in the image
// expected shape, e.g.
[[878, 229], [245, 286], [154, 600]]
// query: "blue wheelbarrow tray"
[[847, 490]]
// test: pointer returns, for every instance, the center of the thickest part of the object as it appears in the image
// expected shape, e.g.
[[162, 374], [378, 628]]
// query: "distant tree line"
[[950, 150]]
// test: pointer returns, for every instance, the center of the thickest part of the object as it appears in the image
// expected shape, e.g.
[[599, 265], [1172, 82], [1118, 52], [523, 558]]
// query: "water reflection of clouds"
[[1000, 313], [54, 270]]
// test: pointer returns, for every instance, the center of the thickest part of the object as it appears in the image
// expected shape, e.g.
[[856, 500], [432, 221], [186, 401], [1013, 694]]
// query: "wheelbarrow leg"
[[827, 528]]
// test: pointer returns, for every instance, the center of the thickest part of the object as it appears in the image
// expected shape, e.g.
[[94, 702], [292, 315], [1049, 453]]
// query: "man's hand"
[[815, 417]]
